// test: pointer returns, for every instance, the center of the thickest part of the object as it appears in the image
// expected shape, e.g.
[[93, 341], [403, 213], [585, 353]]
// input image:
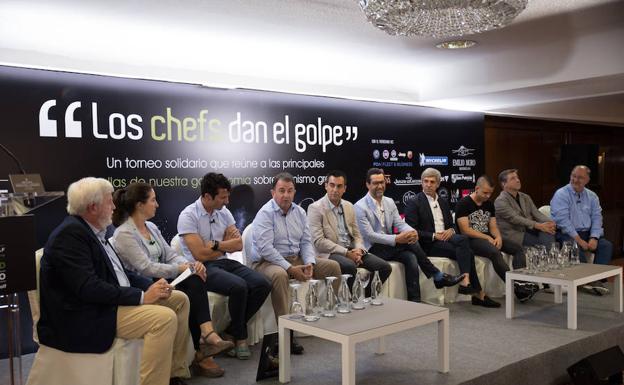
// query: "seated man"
[[282, 246], [207, 232], [88, 298], [336, 235], [476, 218], [431, 217], [576, 211], [377, 217], [519, 221]]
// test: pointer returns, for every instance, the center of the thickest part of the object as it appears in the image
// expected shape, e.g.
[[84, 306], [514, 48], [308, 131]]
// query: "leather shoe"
[[206, 367], [467, 290], [176, 381], [485, 302], [448, 280], [208, 350]]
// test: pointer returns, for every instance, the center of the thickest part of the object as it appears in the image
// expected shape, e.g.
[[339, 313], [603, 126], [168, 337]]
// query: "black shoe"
[[176, 381], [448, 280], [485, 302], [468, 290], [295, 347], [524, 291]]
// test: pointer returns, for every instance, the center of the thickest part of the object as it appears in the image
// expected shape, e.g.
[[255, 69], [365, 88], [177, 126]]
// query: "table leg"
[[284, 354], [617, 292], [348, 363], [443, 344], [509, 298], [572, 307], [558, 294], [381, 345]]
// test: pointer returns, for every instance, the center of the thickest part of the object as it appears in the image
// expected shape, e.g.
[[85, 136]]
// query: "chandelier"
[[440, 18]]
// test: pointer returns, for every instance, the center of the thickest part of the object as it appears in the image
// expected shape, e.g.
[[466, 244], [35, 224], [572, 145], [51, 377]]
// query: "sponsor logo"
[[386, 154], [407, 181], [408, 196], [376, 154], [3, 274], [465, 192], [444, 178], [430, 160], [463, 151], [410, 155], [464, 164], [387, 177], [462, 177], [443, 193], [401, 155], [393, 156]]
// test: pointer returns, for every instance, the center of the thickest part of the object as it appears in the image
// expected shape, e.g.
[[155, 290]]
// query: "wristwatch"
[[215, 245]]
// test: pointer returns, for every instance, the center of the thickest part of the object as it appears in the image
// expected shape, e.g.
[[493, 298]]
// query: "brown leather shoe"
[[207, 367], [208, 349]]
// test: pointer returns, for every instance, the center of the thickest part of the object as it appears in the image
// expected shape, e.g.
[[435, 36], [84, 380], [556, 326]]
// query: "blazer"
[[129, 245], [370, 223], [79, 291], [324, 227], [418, 214], [514, 221]]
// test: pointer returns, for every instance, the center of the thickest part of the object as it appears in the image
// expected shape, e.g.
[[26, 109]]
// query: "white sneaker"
[[599, 287]]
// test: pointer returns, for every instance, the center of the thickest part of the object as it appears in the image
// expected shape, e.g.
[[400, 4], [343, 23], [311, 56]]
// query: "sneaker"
[[589, 289], [600, 288], [524, 291]]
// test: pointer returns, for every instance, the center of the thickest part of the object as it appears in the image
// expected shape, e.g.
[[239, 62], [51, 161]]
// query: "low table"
[[571, 278], [362, 325]]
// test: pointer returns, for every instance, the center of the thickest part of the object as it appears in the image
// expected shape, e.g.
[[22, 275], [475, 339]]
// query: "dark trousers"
[[603, 253], [370, 262], [538, 238], [484, 248], [199, 312], [247, 289], [411, 256], [458, 249]]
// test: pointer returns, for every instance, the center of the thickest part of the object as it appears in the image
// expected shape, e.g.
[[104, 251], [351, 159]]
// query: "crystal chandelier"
[[440, 18]]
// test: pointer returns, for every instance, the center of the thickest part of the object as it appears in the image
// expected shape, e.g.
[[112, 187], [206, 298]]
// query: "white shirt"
[[380, 212], [438, 218]]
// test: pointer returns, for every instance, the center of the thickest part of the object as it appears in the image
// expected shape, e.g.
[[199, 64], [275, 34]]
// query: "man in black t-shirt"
[[476, 218]]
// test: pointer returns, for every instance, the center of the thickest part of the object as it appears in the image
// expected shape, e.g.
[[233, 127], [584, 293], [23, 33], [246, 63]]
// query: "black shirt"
[[478, 216]]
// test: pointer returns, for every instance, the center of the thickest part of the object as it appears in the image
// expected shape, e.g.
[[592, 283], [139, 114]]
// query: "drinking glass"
[[329, 310], [344, 295], [358, 294], [312, 302], [365, 276], [376, 290], [296, 309]]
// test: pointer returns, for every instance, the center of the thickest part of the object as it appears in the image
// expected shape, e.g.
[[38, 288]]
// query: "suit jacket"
[[370, 223], [324, 227], [418, 214], [514, 221], [79, 291], [129, 245]]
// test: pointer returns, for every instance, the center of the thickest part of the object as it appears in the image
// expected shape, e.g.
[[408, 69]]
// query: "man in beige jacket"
[[335, 233]]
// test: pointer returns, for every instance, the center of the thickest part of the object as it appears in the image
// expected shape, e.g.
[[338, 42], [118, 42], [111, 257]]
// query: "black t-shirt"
[[478, 216]]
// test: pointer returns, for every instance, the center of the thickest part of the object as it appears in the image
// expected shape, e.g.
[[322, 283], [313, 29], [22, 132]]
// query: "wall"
[[534, 147]]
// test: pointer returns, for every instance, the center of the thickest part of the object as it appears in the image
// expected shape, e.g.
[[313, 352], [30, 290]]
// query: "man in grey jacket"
[[519, 221]]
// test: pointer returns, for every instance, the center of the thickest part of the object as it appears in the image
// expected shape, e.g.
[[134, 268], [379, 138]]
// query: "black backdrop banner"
[[66, 126]]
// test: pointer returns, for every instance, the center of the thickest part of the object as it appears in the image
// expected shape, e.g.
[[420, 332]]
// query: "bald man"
[[576, 211]]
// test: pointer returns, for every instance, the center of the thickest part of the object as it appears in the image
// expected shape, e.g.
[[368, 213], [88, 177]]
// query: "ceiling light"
[[440, 18], [456, 44]]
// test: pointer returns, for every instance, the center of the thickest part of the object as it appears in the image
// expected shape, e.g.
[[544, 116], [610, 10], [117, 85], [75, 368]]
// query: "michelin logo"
[[433, 160]]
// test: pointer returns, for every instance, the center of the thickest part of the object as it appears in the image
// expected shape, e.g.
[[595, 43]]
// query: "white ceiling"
[[560, 59]]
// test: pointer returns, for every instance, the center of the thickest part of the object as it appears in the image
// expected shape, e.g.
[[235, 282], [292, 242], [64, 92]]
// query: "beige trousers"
[[164, 329], [280, 291]]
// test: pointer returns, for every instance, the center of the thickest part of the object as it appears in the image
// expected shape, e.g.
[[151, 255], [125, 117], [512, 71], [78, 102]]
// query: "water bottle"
[[376, 288]]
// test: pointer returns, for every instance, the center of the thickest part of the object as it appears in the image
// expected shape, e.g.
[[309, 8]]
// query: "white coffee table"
[[362, 325], [570, 278]]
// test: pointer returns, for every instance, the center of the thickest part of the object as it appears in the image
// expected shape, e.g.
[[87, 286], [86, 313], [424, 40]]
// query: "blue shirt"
[[574, 212], [276, 235], [194, 219]]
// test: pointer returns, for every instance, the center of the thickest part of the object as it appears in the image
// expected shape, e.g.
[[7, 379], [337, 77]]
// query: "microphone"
[[283, 214], [435, 206], [213, 221], [340, 211], [9, 153], [152, 242]]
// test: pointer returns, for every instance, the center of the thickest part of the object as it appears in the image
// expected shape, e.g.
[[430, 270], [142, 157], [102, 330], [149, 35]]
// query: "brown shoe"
[[207, 367], [209, 349]]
